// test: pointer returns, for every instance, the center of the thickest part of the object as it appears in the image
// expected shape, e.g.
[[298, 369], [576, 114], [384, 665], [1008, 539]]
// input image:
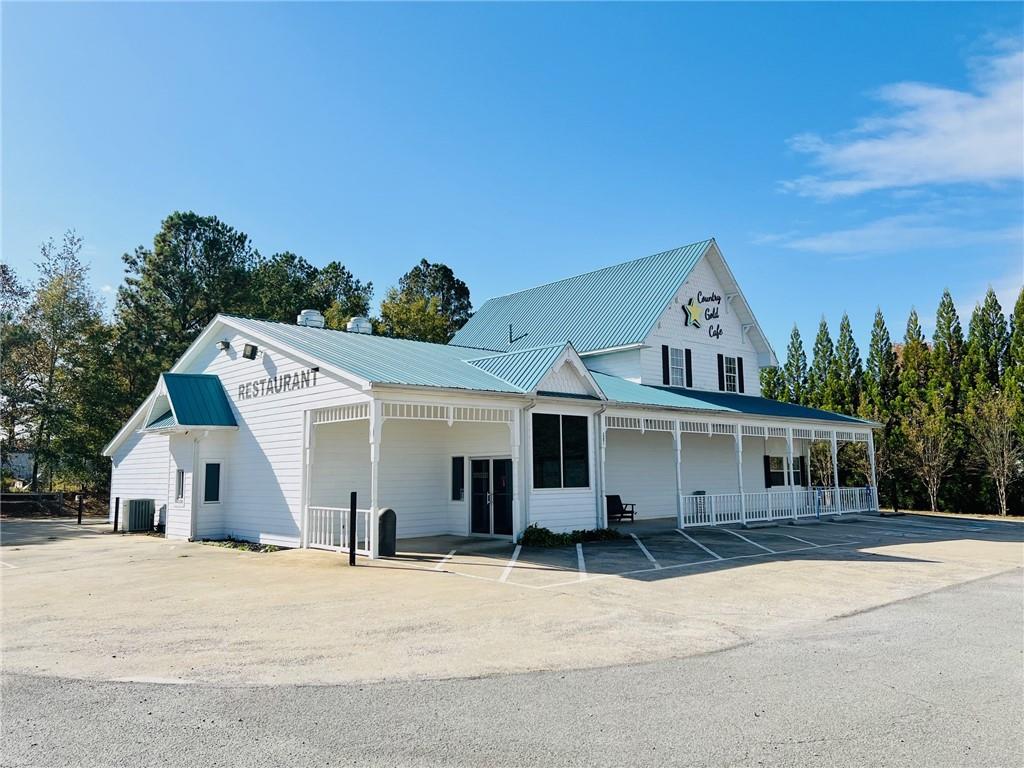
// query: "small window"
[[798, 475], [561, 452], [458, 478], [677, 367], [777, 470], [731, 375], [179, 485], [211, 486]]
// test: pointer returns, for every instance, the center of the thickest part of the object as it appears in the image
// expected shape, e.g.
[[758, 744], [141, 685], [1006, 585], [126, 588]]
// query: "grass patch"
[[535, 536], [245, 546]]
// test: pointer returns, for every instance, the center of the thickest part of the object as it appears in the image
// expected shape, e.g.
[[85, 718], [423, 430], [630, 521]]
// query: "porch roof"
[[624, 391]]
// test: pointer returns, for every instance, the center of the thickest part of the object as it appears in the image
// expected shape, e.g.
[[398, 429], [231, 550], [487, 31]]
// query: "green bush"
[[535, 536]]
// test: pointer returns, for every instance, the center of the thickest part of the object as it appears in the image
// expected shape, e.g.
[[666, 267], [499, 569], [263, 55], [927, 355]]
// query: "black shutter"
[[804, 474], [721, 373], [666, 379], [767, 472], [689, 369], [739, 372]]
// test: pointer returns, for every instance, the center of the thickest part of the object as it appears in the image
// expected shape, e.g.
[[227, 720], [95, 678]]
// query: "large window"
[[561, 458], [458, 478], [777, 470], [731, 375], [211, 483], [676, 367]]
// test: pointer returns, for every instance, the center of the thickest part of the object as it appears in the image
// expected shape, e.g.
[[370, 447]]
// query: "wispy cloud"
[[928, 135], [107, 288], [892, 234]]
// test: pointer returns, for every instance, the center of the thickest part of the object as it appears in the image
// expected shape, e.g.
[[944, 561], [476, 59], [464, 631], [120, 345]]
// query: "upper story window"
[[561, 456], [677, 367], [731, 375]]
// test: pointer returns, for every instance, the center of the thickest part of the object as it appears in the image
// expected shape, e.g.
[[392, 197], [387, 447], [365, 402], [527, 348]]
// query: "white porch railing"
[[328, 529], [772, 506]]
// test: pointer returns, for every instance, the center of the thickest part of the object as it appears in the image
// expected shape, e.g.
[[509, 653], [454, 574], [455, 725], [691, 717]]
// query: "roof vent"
[[311, 318], [359, 325]]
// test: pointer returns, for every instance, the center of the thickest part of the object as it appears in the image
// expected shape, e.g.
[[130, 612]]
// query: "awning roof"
[[192, 400]]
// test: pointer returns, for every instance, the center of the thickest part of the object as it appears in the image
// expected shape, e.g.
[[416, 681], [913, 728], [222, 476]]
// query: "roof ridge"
[[601, 269], [559, 345]]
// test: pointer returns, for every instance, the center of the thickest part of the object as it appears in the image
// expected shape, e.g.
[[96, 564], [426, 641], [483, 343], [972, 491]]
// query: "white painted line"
[[889, 532], [443, 561], [645, 550], [581, 564], [749, 541], [7, 565], [768, 532], [511, 563], [687, 536]]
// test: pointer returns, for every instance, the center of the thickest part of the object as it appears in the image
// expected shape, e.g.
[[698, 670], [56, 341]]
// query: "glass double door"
[[491, 497]]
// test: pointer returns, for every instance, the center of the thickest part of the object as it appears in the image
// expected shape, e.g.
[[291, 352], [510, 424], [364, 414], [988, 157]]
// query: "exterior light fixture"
[[249, 351]]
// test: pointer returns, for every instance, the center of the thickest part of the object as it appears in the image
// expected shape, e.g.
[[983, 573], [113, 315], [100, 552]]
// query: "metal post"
[[836, 501], [677, 437], [739, 474], [352, 529], [874, 480], [81, 498], [117, 508], [792, 470]]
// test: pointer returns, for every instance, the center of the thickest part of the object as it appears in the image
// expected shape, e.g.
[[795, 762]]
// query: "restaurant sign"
[[275, 385], [704, 309]]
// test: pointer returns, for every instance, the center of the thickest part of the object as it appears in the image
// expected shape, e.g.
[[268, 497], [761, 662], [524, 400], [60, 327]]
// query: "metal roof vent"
[[311, 318], [359, 325]]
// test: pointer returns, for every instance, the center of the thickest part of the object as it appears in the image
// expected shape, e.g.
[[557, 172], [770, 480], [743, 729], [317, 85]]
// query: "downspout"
[[524, 503]]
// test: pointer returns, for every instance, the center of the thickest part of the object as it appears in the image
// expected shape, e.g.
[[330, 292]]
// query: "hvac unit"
[[140, 514]]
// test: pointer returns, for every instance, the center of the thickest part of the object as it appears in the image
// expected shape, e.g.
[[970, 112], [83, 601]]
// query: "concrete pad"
[[541, 567], [614, 557], [673, 549], [724, 544]]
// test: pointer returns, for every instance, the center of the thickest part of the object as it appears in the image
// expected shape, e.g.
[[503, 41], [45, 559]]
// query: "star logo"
[[692, 313]]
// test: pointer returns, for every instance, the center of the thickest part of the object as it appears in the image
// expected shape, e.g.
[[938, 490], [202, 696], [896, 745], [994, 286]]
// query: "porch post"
[[677, 439], [837, 502], [792, 473], [871, 461], [738, 434], [602, 449], [308, 440], [376, 424], [514, 443]]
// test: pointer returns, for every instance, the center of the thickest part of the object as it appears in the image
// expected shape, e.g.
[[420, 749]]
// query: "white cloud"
[[898, 233], [930, 135], [107, 288]]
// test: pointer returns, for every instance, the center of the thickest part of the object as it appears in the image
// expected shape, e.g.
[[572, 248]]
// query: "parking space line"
[[511, 563], [581, 564], [687, 536], [794, 538], [441, 563], [646, 552], [890, 532], [7, 565], [741, 536]]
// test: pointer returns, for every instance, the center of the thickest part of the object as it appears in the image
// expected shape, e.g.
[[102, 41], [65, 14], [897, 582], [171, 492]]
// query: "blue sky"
[[844, 156]]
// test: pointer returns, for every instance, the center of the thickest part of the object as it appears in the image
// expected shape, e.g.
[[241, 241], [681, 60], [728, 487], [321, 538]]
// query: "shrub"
[[535, 536]]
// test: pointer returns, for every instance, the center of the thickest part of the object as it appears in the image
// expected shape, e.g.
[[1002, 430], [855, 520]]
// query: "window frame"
[[462, 480], [777, 474], [179, 484], [735, 374], [220, 481], [676, 365], [561, 454]]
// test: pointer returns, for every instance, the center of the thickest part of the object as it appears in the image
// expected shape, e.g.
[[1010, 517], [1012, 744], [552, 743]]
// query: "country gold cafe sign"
[[275, 385], [704, 309]]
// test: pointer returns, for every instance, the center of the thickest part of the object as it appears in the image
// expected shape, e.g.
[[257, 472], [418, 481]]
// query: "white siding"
[[625, 364], [139, 471], [178, 524], [565, 379], [671, 329], [563, 509], [641, 468]]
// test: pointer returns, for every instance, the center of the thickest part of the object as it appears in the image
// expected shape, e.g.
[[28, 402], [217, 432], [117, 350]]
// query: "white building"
[[639, 380]]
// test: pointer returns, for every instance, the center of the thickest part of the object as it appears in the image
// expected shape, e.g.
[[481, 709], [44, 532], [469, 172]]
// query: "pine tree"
[[794, 372], [944, 388], [773, 384], [881, 385], [912, 399], [987, 341], [849, 369], [821, 379], [1013, 369]]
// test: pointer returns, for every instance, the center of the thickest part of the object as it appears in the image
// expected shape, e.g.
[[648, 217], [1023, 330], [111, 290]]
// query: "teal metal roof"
[[611, 307], [198, 400], [524, 369], [163, 421], [623, 391]]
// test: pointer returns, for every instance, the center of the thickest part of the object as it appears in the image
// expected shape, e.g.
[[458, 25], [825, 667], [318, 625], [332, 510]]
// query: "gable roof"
[[523, 369], [611, 307], [198, 400], [624, 391]]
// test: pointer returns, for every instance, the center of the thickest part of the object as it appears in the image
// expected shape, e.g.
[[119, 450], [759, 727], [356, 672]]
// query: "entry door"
[[491, 497]]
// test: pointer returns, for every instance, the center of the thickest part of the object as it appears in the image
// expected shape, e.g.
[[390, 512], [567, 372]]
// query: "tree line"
[[950, 410], [70, 377]]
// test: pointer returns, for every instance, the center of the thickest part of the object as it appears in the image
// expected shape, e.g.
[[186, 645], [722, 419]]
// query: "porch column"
[[308, 441], [376, 424], [514, 446], [738, 434], [792, 472], [871, 461], [677, 440], [602, 450], [837, 502]]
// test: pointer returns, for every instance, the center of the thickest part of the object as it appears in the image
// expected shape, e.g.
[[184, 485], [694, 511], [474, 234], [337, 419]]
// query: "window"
[[731, 376], [677, 367], [798, 474], [211, 484], [777, 470], [458, 478], [179, 485], [561, 454]]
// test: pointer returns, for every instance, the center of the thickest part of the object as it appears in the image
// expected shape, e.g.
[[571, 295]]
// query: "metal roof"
[[163, 421], [610, 307], [523, 369], [624, 391], [198, 400]]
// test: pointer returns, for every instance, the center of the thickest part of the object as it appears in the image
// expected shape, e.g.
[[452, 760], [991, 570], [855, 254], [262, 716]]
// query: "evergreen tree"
[[912, 401], [430, 304], [881, 386], [1013, 370], [944, 387], [773, 384], [987, 341], [794, 372], [849, 369], [822, 382]]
